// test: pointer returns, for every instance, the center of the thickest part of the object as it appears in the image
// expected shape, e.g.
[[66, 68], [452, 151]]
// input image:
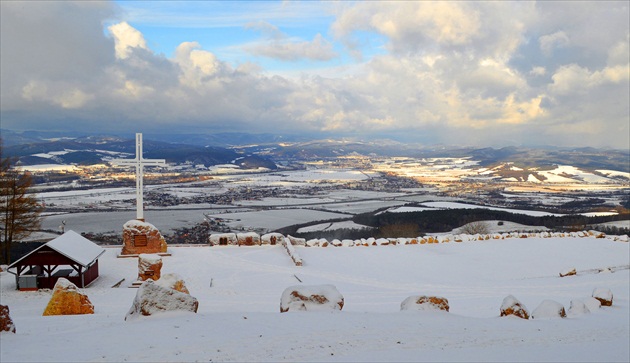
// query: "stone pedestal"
[[149, 267], [142, 237]]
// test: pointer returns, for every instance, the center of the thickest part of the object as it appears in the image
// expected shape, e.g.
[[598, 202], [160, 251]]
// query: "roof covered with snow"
[[76, 247], [73, 246]]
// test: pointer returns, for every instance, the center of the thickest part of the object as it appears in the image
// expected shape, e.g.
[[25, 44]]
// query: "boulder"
[[549, 309], [604, 296], [271, 238], [248, 239], [578, 307], [149, 267], [152, 299], [296, 241], [223, 239], [592, 303], [424, 303], [596, 234], [511, 306], [142, 237], [173, 281], [66, 299], [311, 298], [568, 272], [347, 243], [6, 323]]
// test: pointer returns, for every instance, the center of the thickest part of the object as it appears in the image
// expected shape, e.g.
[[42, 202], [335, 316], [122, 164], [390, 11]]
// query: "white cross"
[[139, 162]]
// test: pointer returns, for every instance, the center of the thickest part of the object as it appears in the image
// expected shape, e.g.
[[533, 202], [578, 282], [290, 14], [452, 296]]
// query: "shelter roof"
[[73, 246]]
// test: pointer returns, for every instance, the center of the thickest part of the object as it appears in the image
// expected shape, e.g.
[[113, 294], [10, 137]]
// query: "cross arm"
[[124, 161], [150, 162]]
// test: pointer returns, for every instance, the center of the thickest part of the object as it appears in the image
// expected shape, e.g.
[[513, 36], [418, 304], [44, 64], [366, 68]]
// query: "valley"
[[188, 201]]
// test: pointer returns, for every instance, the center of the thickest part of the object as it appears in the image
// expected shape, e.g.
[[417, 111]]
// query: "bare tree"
[[475, 228], [19, 210]]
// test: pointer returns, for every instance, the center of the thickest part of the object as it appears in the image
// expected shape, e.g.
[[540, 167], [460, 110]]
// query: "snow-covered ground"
[[239, 290], [452, 205]]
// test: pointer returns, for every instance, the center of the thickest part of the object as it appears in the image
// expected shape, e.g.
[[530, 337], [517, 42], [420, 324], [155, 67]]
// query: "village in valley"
[[191, 246]]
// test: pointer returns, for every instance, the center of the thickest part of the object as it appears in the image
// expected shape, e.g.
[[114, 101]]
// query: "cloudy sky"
[[457, 73]]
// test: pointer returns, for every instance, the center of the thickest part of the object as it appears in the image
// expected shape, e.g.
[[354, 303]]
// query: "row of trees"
[[434, 221], [19, 210]]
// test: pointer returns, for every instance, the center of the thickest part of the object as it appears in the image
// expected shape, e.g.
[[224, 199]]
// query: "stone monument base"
[[141, 237]]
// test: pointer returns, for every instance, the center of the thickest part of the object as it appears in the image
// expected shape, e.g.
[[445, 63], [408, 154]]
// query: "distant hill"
[[37, 147], [90, 150]]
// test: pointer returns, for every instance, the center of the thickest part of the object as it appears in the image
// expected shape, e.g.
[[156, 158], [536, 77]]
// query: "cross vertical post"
[[139, 162]]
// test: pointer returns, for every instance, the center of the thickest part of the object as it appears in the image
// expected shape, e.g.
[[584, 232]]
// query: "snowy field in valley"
[[274, 219], [239, 290]]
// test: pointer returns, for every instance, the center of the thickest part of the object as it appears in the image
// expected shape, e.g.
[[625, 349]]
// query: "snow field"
[[239, 318]]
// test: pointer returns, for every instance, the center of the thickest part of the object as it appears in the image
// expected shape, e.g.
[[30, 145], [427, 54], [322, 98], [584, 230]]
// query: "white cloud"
[[490, 28], [318, 49], [619, 54], [449, 75], [126, 38], [538, 71], [550, 42], [60, 94], [575, 79], [278, 45], [266, 28]]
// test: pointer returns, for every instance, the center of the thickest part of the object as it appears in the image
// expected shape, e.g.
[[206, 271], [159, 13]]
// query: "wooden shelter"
[[70, 256]]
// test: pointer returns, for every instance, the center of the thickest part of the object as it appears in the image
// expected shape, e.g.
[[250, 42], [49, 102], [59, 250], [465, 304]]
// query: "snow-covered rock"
[[271, 238], [422, 302], [149, 266], [152, 299], [297, 241], [592, 303], [142, 237], [66, 299], [578, 307], [511, 306], [347, 243], [604, 295], [288, 245], [549, 309], [248, 239], [223, 239], [311, 298], [568, 272], [173, 281], [596, 234], [6, 323]]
